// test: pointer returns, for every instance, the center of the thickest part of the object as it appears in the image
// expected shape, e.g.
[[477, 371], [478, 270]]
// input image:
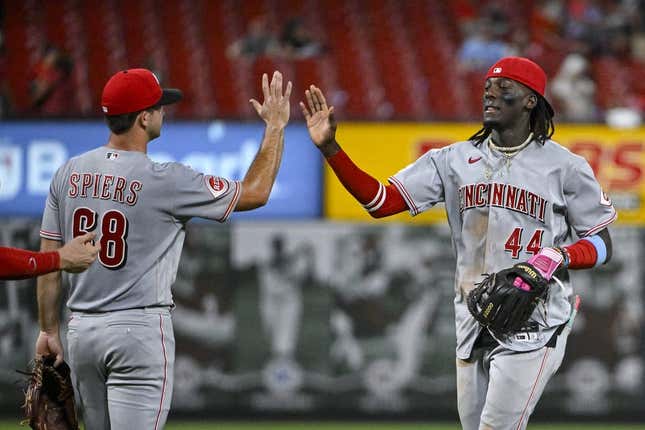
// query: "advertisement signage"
[[31, 152], [616, 156]]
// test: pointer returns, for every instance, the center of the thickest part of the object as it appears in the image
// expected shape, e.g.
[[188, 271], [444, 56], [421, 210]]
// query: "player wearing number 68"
[[512, 195], [120, 338]]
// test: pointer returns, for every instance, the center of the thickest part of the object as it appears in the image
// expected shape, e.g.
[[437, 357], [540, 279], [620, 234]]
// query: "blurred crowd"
[[294, 40], [572, 39], [592, 50]]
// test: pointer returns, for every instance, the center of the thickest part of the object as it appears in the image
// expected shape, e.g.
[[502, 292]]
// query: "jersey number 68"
[[114, 232]]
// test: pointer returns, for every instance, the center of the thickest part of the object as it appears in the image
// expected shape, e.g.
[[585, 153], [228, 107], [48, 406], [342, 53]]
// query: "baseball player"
[[74, 257], [511, 194], [121, 347], [280, 284]]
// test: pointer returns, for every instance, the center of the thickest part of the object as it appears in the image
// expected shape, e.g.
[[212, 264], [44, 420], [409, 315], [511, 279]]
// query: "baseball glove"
[[503, 304], [49, 398]]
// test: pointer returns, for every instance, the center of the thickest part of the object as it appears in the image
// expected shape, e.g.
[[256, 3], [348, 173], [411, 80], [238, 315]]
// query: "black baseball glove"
[[501, 306], [49, 398]]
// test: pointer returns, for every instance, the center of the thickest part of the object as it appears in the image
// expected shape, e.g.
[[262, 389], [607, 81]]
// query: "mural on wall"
[[353, 318]]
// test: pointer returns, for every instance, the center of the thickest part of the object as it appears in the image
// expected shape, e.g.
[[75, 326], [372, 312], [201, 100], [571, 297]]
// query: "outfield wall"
[[357, 320]]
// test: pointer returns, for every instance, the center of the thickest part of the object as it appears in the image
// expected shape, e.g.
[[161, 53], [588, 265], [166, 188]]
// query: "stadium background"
[[337, 324]]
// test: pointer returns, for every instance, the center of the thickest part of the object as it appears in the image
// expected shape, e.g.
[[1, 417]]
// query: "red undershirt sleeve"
[[21, 264], [581, 255], [378, 199]]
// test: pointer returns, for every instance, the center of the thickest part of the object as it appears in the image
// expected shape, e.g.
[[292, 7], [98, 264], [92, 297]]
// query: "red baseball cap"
[[134, 90], [522, 70]]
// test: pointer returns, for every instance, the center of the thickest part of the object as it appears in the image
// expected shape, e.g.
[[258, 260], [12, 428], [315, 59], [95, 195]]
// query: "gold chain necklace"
[[509, 151]]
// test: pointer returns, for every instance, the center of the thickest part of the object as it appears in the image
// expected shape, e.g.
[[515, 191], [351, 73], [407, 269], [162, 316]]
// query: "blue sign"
[[31, 152]]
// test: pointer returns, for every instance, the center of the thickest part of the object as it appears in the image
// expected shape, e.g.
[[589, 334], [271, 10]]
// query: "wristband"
[[566, 258]]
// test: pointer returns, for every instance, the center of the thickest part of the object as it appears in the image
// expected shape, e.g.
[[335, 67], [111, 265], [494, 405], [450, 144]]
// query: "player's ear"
[[144, 118], [531, 101]]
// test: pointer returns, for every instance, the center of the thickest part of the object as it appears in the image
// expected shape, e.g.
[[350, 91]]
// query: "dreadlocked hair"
[[540, 121]]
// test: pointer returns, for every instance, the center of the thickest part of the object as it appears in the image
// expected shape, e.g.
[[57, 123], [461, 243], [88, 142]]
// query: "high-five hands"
[[275, 109], [320, 120]]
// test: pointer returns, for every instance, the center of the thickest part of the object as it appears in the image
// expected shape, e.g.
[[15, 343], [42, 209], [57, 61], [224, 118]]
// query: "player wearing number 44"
[[121, 346], [511, 194]]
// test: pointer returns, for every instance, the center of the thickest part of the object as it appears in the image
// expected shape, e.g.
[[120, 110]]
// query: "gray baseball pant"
[[122, 367], [499, 388]]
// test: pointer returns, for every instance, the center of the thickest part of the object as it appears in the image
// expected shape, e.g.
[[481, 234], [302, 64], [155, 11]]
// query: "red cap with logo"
[[522, 70], [134, 90]]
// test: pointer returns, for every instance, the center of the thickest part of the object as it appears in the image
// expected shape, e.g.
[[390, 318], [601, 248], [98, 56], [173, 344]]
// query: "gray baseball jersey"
[[138, 209], [502, 210]]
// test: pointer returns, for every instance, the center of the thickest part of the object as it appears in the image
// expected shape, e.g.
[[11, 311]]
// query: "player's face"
[[505, 101]]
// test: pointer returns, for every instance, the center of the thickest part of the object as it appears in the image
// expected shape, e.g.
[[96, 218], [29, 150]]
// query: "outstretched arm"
[[23, 264], [74, 257], [259, 179], [378, 199]]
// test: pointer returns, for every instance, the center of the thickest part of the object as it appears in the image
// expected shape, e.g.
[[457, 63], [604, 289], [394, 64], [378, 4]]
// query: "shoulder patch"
[[216, 185], [604, 199]]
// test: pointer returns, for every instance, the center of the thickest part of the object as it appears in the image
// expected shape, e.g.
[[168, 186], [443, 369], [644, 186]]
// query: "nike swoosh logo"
[[472, 160]]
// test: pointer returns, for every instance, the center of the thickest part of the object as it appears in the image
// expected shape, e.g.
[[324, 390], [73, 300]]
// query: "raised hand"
[[320, 118], [275, 109]]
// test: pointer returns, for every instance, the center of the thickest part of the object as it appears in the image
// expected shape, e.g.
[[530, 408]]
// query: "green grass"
[[277, 425]]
